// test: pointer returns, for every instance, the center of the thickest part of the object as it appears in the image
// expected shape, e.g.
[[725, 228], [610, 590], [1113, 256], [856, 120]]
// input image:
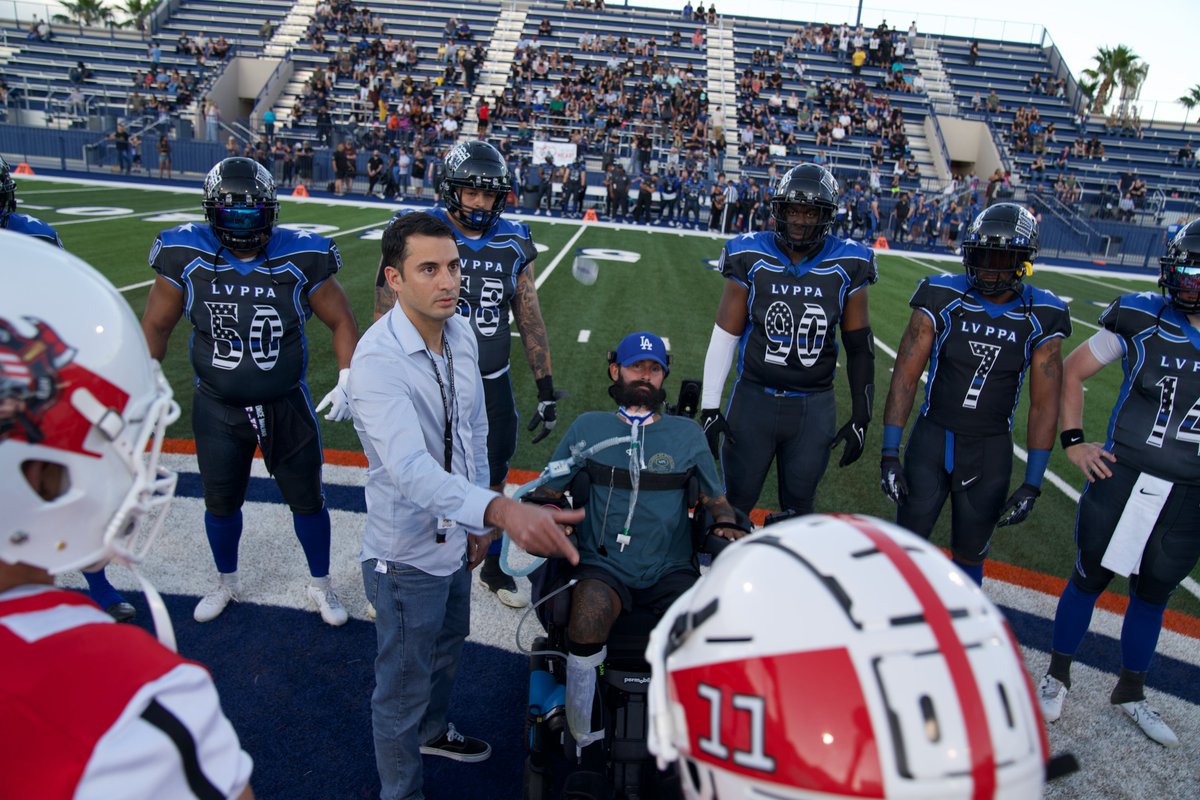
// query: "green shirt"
[[661, 531]]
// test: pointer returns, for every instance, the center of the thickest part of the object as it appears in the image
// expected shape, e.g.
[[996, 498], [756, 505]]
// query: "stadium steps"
[[722, 86], [920, 150], [292, 29], [501, 52], [937, 85], [8, 53]]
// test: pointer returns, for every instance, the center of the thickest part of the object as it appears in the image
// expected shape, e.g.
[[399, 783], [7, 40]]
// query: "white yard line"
[[124, 216]]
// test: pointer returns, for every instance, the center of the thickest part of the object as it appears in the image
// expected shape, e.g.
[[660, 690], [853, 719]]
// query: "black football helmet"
[[1179, 269], [8, 191], [805, 185], [1003, 241], [240, 203], [475, 165]]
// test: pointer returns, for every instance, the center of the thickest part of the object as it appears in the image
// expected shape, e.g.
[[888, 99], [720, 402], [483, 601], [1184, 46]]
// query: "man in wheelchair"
[[636, 544]]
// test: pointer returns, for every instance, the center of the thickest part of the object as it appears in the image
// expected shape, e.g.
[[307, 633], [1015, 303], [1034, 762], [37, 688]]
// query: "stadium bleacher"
[[39, 78]]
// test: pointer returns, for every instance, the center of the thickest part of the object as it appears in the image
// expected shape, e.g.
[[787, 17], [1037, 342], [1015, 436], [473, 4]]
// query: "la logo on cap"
[[646, 345]]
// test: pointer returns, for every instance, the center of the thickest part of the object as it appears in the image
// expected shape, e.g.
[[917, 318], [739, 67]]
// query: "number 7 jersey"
[[1155, 424], [248, 344], [981, 351]]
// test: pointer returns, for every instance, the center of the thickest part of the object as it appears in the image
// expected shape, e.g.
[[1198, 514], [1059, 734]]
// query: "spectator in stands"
[[304, 165], [212, 121], [857, 60], [993, 101], [687, 10], [973, 53], [417, 171], [183, 44], [1037, 171], [76, 102], [44, 33], [266, 30], [1126, 207], [1186, 156], [79, 73], [120, 140], [164, 156]]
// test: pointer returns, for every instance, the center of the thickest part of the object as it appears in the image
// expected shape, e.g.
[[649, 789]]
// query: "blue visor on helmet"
[[243, 219]]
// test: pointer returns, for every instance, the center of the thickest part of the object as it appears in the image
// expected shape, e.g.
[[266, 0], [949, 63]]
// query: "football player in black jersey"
[[1137, 516], [979, 333], [788, 291], [10, 220], [248, 288], [497, 275]]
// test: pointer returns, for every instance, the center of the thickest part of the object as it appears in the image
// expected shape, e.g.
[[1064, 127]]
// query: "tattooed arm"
[[385, 298], [1045, 390], [911, 358], [722, 512], [528, 315]]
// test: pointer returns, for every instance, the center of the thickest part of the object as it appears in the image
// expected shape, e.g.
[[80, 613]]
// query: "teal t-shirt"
[[660, 533]]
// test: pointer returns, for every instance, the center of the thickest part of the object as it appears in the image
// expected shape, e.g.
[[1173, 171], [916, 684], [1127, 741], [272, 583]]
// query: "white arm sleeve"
[[1106, 346], [186, 743], [716, 366]]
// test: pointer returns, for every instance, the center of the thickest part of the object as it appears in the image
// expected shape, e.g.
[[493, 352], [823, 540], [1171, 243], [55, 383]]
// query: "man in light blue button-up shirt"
[[417, 399]]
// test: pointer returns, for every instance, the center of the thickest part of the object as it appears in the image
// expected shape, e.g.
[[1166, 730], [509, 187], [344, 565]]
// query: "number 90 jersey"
[[981, 351], [248, 344], [490, 267], [793, 310], [1155, 425]]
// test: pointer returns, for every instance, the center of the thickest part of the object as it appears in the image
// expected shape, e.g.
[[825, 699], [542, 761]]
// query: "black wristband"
[[1071, 437], [545, 389]]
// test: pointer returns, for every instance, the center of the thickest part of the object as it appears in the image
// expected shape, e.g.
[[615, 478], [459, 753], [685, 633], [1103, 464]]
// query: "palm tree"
[[84, 12], [136, 12], [1189, 101], [1116, 67]]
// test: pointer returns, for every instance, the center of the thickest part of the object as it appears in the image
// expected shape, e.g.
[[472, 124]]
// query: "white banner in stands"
[[563, 153]]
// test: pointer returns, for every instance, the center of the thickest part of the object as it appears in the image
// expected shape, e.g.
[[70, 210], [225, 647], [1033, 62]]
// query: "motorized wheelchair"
[[620, 766]]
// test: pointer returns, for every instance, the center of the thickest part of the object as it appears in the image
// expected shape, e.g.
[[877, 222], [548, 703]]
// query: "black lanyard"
[[447, 399]]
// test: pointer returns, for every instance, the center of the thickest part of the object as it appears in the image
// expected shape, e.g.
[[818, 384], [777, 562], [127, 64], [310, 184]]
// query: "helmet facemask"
[[1179, 273], [474, 219], [994, 270], [240, 203], [802, 237]]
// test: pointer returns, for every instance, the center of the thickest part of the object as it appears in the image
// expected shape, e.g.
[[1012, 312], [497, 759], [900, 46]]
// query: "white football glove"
[[337, 400]]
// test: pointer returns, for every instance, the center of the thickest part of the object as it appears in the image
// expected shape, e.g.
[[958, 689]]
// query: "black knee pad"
[[1152, 591], [221, 506], [1093, 584]]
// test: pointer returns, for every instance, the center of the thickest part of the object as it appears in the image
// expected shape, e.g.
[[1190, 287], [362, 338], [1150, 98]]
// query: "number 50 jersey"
[[982, 350], [248, 344]]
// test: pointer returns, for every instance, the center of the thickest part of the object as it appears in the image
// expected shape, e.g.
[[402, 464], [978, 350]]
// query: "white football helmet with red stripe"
[[842, 657], [78, 389]]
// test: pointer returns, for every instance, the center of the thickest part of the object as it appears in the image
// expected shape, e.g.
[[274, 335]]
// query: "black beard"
[[638, 394]]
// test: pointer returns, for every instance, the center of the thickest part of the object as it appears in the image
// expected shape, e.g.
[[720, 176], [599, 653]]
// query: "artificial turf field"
[[650, 278]]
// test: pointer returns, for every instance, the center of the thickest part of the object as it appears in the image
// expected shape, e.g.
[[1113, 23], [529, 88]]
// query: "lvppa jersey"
[[793, 310], [32, 226], [248, 344], [490, 267], [1155, 425], [981, 351]]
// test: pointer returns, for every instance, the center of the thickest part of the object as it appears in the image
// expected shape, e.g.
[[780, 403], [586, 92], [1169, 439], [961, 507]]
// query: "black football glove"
[[547, 409], [714, 424], [854, 434], [892, 480], [1019, 505]]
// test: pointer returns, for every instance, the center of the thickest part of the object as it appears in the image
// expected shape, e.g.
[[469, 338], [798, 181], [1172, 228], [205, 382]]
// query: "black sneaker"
[[454, 745], [122, 611], [501, 583]]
